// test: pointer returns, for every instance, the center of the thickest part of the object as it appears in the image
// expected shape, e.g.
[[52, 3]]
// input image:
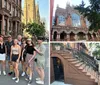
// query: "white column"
[[52, 36], [86, 37], [8, 24], [97, 37], [92, 37], [58, 36], [68, 37], [76, 37]]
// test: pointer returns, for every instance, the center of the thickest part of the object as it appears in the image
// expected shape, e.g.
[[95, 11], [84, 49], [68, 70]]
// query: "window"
[[5, 26], [13, 11], [9, 6], [61, 20], [5, 3], [75, 20], [17, 2], [16, 12]]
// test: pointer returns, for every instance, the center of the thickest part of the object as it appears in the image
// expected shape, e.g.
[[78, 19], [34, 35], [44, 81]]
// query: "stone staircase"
[[77, 71], [85, 69]]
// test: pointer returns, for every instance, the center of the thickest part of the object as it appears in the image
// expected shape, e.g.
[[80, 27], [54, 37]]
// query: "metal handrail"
[[85, 58]]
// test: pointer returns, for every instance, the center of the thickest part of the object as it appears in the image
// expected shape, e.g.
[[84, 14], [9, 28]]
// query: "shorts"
[[40, 64], [3, 57], [14, 58]]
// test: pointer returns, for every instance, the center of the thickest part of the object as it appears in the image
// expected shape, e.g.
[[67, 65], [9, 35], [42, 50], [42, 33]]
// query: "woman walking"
[[15, 56], [2, 55], [30, 59]]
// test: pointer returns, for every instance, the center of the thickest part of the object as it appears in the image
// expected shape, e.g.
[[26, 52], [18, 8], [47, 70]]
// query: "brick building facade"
[[70, 25], [10, 17]]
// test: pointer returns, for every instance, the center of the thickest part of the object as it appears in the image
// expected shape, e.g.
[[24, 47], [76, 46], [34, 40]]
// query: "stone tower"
[[29, 12]]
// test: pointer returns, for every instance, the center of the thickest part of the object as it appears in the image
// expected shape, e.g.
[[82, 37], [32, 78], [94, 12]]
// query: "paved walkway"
[[59, 83]]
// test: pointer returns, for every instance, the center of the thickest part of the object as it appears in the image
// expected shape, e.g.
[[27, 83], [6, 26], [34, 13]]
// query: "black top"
[[30, 49], [8, 46], [2, 48]]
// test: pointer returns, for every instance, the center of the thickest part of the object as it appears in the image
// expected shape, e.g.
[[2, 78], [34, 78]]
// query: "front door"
[[58, 69]]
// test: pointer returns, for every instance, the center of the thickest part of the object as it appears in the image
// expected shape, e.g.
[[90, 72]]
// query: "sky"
[[44, 10], [62, 3]]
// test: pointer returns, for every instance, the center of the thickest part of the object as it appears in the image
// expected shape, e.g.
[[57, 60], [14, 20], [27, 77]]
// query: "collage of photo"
[[49, 42]]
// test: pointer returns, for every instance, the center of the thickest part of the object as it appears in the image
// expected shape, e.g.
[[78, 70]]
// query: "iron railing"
[[85, 58]]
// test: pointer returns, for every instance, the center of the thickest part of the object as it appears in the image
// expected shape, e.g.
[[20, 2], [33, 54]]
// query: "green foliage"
[[96, 52], [36, 29], [92, 13]]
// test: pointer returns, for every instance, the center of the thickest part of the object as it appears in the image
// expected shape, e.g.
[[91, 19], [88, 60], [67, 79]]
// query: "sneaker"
[[0, 73], [29, 82], [4, 73], [10, 73], [14, 78], [23, 74], [17, 80], [40, 82], [37, 79], [27, 78]]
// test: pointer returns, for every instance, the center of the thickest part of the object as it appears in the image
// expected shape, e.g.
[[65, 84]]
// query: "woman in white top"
[[15, 58], [2, 55]]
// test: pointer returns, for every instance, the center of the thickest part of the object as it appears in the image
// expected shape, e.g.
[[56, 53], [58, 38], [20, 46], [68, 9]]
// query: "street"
[[7, 80]]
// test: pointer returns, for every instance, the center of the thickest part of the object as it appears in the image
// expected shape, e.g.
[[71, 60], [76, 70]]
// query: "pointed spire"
[[82, 4], [37, 13]]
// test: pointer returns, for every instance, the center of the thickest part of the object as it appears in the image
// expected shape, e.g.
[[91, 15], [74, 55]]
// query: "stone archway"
[[89, 36], [62, 36], [72, 36], [55, 36], [94, 37], [60, 69], [81, 36]]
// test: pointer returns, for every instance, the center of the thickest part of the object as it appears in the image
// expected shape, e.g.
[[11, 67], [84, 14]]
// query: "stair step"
[[74, 62], [68, 57], [72, 59], [82, 67], [79, 64], [85, 69], [96, 80]]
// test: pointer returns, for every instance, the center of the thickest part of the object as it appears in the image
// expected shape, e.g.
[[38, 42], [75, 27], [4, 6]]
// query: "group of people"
[[23, 51]]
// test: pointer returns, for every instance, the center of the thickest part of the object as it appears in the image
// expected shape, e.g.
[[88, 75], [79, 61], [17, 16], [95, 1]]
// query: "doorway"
[[58, 69]]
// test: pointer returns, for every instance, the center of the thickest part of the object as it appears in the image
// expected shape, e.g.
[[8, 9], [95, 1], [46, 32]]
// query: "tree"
[[36, 29], [92, 13], [96, 52]]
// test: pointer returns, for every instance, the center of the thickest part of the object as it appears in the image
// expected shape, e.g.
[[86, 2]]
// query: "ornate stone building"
[[10, 17], [70, 25], [51, 13], [30, 12]]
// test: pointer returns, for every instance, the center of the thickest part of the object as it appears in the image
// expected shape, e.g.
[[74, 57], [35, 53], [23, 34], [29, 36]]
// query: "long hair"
[[31, 43]]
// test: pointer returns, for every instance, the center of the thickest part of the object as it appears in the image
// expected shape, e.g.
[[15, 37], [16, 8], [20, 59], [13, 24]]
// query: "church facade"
[[30, 12], [70, 25]]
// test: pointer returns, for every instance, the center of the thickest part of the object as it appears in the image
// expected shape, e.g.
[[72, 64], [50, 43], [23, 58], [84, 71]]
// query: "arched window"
[[75, 20], [61, 20]]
